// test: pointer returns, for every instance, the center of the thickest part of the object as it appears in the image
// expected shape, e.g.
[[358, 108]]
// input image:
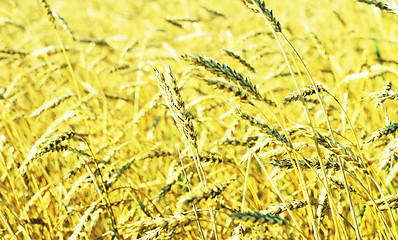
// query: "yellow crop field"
[[183, 119]]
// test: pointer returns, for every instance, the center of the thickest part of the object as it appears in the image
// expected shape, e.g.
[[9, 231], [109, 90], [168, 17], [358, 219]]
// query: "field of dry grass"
[[179, 119]]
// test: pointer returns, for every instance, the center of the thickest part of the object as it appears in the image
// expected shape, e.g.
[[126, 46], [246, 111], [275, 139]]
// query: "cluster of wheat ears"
[[198, 119]]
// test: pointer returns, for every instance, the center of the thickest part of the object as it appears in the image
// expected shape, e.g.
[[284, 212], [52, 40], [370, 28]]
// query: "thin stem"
[[352, 210]]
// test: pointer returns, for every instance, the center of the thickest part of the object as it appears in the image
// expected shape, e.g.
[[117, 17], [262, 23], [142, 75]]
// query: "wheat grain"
[[239, 59], [379, 133], [371, 72], [190, 20], [52, 103], [259, 7], [249, 142], [279, 152], [265, 128], [119, 68], [172, 96], [238, 93], [213, 106], [213, 158], [231, 129], [379, 4], [305, 164], [389, 155], [174, 174], [391, 200], [383, 95], [164, 224], [55, 144], [4, 20], [340, 185], [338, 149], [152, 154], [223, 70], [323, 205], [319, 46], [175, 23], [305, 92], [257, 218], [64, 25], [49, 12], [295, 204], [98, 41], [214, 12], [202, 194], [21, 53], [83, 221], [50, 50]]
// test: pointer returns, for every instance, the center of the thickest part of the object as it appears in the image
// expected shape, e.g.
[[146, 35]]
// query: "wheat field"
[[230, 119]]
